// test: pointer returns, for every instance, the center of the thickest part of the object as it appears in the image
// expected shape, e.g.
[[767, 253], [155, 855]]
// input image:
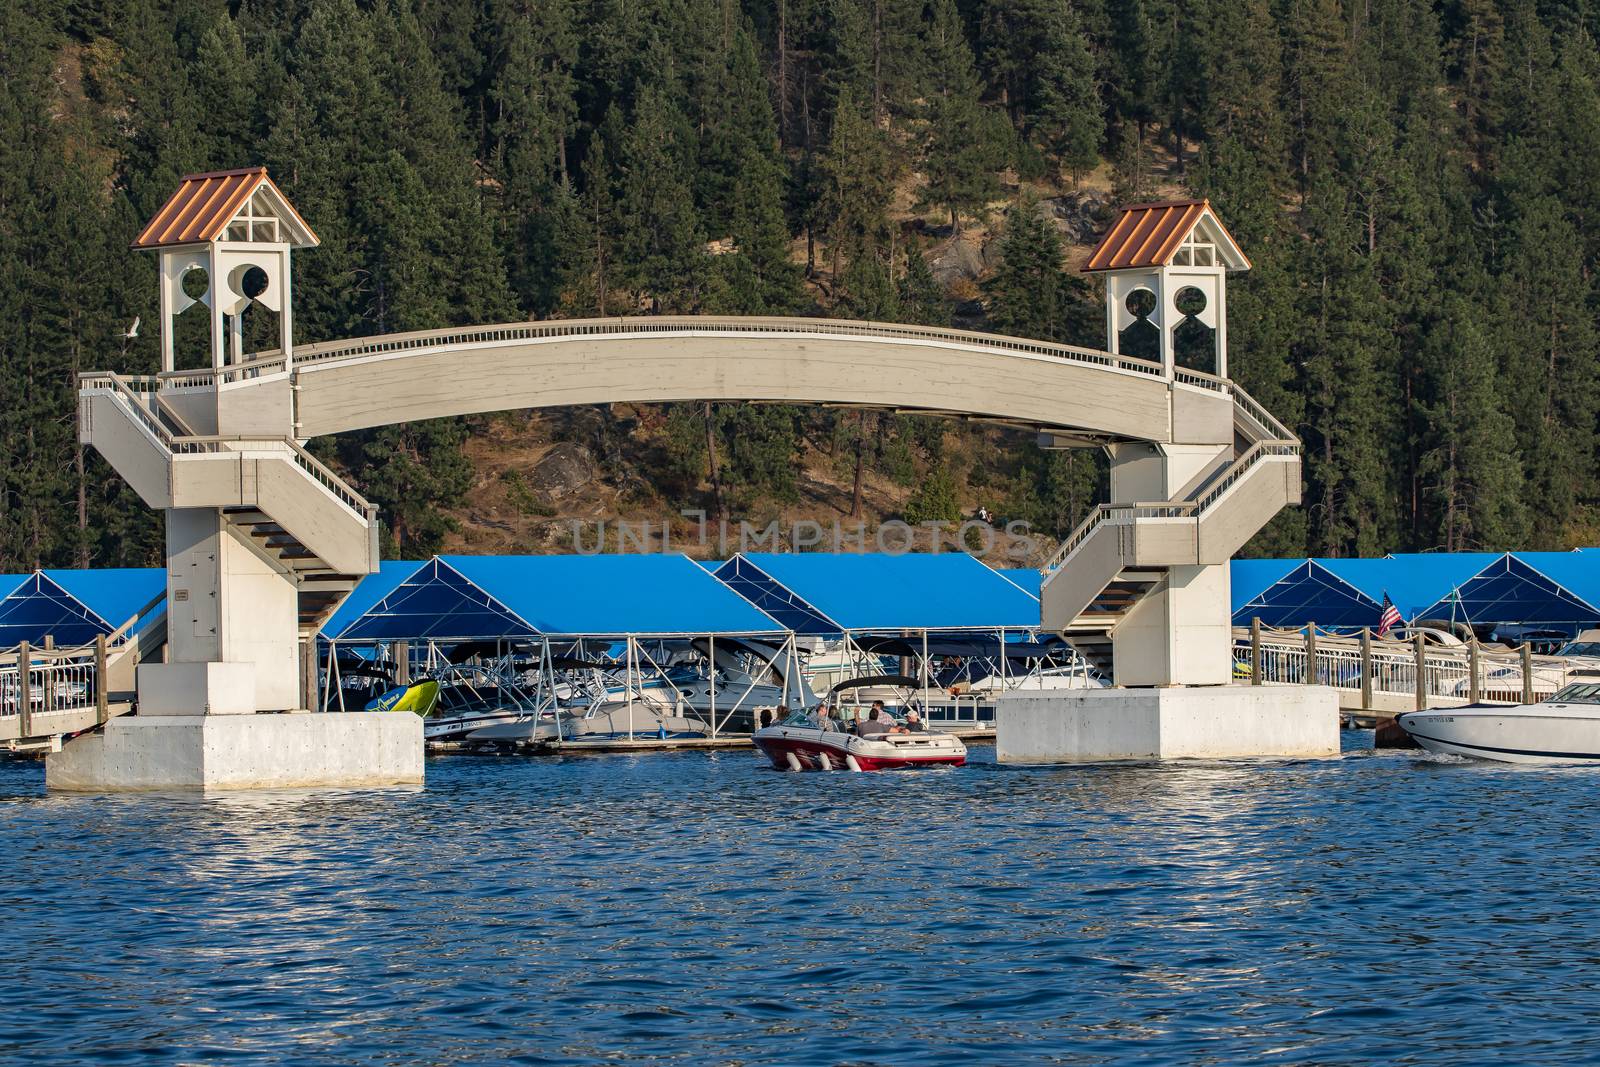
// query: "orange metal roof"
[[1146, 235], [203, 206]]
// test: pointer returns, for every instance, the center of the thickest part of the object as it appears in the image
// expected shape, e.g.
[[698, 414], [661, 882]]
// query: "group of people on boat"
[[857, 721]]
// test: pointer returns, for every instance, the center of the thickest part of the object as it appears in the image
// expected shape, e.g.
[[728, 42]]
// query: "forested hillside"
[[1415, 183]]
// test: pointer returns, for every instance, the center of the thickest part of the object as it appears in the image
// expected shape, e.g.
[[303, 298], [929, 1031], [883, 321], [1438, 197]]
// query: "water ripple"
[[698, 908]]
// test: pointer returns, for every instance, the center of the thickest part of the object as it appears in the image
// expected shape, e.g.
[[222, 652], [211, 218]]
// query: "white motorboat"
[[1563, 729]]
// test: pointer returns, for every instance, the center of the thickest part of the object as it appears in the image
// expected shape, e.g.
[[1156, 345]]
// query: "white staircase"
[[1124, 552], [295, 513]]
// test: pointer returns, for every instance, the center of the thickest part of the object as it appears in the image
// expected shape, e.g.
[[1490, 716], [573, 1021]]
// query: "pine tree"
[[1068, 115], [918, 296], [1026, 294], [1472, 483], [534, 115], [958, 159], [660, 239], [855, 179], [758, 277]]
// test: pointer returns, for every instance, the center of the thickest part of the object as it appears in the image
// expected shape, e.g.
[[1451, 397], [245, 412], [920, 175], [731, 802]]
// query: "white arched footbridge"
[[264, 541]]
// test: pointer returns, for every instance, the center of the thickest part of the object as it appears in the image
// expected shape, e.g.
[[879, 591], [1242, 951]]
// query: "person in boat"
[[767, 716], [872, 725], [881, 714], [858, 722], [825, 720], [914, 724]]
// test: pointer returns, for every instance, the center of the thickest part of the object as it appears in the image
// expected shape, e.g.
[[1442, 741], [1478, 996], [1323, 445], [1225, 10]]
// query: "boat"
[[596, 725], [1563, 729], [799, 743], [457, 700]]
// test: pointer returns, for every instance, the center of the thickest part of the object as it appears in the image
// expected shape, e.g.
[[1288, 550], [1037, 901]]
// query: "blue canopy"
[[1548, 590], [1576, 572], [1310, 592], [73, 607], [826, 593], [1247, 577], [1029, 579], [432, 600], [612, 595], [368, 592], [1413, 581]]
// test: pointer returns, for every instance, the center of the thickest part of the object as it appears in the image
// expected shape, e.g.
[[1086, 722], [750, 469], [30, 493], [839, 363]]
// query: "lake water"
[[698, 908]]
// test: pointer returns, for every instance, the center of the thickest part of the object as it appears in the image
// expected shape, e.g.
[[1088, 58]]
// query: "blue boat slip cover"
[[825, 593], [1556, 590], [73, 607], [489, 597], [1029, 579]]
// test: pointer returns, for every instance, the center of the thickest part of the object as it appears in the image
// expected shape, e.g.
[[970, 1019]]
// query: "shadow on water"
[[699, 907]]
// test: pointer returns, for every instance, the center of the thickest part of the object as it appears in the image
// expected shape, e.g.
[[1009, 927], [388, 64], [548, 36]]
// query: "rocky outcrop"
[[564, 470]]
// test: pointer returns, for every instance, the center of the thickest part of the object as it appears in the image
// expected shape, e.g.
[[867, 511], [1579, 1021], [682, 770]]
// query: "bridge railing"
[[129, 392], [1393, 668], [324, 351], [213, 444], [51, 681], [1271, 439], [1266, 425], [1256, 453]]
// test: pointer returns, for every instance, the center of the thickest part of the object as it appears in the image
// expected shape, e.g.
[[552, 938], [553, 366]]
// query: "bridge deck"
[[347, 385]]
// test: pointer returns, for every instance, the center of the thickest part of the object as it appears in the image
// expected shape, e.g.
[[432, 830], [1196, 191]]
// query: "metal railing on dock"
[[47, 692], [1389, 675]]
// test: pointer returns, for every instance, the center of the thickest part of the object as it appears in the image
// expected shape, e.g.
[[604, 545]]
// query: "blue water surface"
[[699, 908]]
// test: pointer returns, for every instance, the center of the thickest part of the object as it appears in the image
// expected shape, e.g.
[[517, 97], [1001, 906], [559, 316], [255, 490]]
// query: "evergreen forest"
[[1415, 182]]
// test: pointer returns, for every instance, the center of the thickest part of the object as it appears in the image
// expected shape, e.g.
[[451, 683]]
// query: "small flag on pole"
[[1390, 618]]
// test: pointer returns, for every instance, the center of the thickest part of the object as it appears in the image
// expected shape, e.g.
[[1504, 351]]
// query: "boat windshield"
[[1580, 648], [802, 717], [1578, 693]]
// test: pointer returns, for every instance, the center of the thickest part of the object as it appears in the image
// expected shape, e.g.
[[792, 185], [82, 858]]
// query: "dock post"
[[47, 677], [308, 673], [1474, 687], [1366, 668], [1311, 654], [1255, 650], [1422, 671], [25, 693], [102, 700], [1527, 673]]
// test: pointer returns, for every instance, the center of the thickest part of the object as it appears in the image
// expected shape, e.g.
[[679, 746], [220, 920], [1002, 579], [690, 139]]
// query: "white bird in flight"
[[132, 331]]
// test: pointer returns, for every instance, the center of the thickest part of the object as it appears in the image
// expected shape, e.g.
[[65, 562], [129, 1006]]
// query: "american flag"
[[1390, 618]]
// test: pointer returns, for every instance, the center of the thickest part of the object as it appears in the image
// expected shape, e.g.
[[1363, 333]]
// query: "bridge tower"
[[263, 540], [1151, 600]]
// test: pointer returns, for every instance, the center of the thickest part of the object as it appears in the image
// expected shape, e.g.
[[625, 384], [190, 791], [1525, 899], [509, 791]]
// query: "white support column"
[[166, 325], [286, 316]]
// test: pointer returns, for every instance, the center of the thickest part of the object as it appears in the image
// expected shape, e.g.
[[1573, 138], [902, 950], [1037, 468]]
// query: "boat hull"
[[1531, 733], [456, 728], [789, 748]]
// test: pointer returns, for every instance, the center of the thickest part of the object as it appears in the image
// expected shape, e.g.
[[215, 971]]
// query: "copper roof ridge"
[[1152, 204], [235, 172]]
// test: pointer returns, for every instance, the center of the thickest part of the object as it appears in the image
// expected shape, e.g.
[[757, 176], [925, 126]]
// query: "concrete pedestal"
[[197, 688], [1211, 722], [144, 752]]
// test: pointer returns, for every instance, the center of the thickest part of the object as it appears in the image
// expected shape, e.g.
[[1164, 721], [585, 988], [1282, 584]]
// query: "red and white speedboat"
[[799, 744]]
